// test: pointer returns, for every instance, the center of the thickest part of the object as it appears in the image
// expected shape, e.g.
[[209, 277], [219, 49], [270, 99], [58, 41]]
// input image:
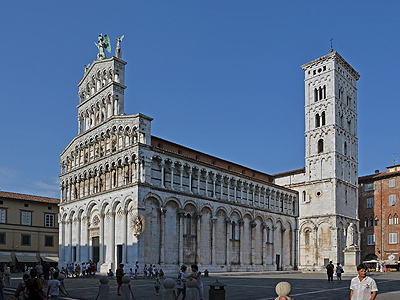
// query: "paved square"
[[249, 287]]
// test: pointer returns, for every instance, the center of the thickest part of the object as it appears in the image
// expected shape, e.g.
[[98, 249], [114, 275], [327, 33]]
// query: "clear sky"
[[221, 77]]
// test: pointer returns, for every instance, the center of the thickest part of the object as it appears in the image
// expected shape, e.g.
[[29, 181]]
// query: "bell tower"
[[329, 195]]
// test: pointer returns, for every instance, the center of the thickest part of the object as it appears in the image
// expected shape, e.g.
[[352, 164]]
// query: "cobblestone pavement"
[[242, 286]]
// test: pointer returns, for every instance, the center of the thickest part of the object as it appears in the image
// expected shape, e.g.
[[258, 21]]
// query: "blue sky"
[[222, 77]]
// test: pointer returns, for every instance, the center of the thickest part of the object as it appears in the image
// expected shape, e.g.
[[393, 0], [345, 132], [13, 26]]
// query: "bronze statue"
[[104, 43]]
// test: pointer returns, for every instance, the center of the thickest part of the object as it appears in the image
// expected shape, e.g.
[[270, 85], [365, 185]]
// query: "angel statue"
[[118, 52], [104, 43]]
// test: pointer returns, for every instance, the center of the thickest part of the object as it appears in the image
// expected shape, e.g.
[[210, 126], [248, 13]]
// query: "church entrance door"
[[96, 249]]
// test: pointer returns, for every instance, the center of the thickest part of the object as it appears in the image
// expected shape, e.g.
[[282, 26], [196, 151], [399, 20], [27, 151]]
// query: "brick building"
[[379, 216]]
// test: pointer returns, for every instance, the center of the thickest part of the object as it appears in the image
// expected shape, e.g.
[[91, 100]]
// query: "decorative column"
[[180, 169], [78, 246], [222, 187], [139, 169], [228, 190], [213, 240], [180, 215], [206, 180], [162, 165], [228, 223], [273, 229], [61, 246], [214, 179], [263, 241], [124, 236], [241, 242], [198, 238], [190, 179], [316, 245], [198, 181], [101, 240], [112, 238], [172, 175], [84, 251], [253, 225], [283, 248], [162, 235], [234, 190], [70, 223]]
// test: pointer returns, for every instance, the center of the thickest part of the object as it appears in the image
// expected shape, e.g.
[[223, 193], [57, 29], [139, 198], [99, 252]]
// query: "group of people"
[[330, 269], [87, 269], [181, 281], [33, 288]]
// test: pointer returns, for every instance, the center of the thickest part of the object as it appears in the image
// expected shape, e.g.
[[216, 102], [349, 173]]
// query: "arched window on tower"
[[315, 95], [366, 222], [233, 230], [376, 221], [317, 120], [320, 146], [371, 222], [324, 91], [345, 148], [320, 91], [390, 220], [188, 224], [395, 219], [323, 118], [304, 196]]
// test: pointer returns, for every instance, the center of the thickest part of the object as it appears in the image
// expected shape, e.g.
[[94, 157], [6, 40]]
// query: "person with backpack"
[[35, 287], [329, 270], [181, 283]]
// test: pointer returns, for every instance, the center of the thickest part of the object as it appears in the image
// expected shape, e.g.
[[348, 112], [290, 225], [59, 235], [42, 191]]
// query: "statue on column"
[[350, 235], [118, 51], [104, 43]]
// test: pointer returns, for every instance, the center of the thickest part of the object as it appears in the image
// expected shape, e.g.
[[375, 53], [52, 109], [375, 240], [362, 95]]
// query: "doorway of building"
[[96, 249], [119, 254], [278, 262]]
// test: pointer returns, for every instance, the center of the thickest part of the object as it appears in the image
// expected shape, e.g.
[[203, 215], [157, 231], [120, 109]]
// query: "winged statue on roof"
[[104, 43]]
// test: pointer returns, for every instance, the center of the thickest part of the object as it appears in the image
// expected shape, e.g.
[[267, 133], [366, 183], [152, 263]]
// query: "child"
[[54, 288], [110, 273], [131, 274], [157, 285], [161, 273], [22, 292]]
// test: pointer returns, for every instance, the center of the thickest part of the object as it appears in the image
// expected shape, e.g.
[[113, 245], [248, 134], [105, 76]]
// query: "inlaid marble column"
[[180, 169], [84, 252], [253, 225], [221, 187], [198, 181], [162, 166], [124, 236], [162, 235], [190, 179], [181, 217], [70, 223], [234, 190], [61, 246], [213, 240], [214, 179], [172, 176], [206, 180], [228, 231], [241, 242], [316, 245], [273, 229], [101, 240], [228, 189], [264, 242], [78, 244], [139, 170], [112, 238], [283, 249], [198, 238]]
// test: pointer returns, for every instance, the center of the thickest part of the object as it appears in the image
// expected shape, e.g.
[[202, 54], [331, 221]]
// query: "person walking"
[[181, 283], [339, 271], [35, 287], [196, 274], [119, 274], [1, 287], [362, 286], [329, 270], [157, 285], [384, 268], [55, 288]]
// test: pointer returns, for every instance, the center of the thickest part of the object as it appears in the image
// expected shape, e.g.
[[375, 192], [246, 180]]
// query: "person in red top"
[[119, 274]]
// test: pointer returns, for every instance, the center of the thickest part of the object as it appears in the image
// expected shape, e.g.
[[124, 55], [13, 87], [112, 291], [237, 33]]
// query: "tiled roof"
[[29, 197]]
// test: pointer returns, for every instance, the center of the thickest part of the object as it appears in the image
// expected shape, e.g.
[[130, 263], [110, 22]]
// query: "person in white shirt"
[[363, 287], [54, 288]]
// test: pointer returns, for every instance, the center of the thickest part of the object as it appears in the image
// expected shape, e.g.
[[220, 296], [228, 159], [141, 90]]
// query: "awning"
[[5, 258], [22, 257], [50, 258]]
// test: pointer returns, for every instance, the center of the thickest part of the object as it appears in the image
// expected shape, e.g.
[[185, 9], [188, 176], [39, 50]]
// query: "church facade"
[[129, 196]]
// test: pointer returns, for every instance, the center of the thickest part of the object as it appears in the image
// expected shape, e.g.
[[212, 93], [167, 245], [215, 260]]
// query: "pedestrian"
[[196, 274], [39, 269], [119, 274], [83, 269], [46, 272], [157, 285], [181, 283], [384, 268], [329, 270], [22, 291], [362, 286], [136, 268], [151, 272], [25, 268], [35, 287], [55, 288], [161, 273], [131, 274], [339, 271], [93, 266], [77, 270], [145, 271], [1, 287]]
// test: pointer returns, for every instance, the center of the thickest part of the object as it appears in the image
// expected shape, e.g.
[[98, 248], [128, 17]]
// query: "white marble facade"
[[128, 196]]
